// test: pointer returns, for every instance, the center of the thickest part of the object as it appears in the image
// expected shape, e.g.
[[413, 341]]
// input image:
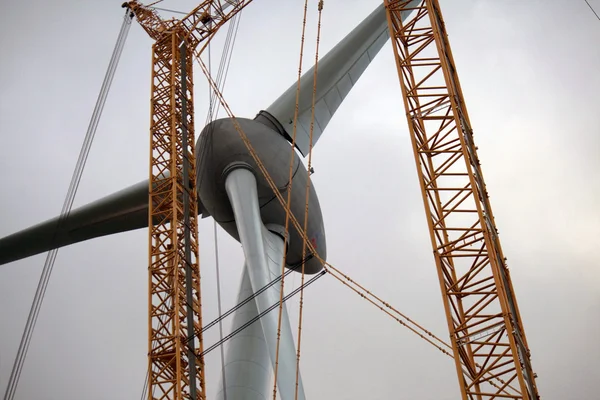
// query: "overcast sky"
[[530, 75]]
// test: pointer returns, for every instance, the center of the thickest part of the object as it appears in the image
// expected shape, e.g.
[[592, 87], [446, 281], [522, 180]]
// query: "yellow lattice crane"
[[486, 330], [176, 367]]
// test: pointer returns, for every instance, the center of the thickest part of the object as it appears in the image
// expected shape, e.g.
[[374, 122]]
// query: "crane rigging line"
[[289, 197], [154, 3], [401, 318], [66, 209], [145, 386], [218, 276], [221, 79], [168, 10], [232, 310], [262, 314], [592, 8], [223, 65], [307, 193], [247, 299], [225, 60], [212, 113], [256, 318]]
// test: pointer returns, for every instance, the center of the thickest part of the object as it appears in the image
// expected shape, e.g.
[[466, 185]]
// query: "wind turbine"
[[240, 200]]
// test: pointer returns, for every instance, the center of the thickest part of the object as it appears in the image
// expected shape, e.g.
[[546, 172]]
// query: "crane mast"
[[487, 335], [175, 366]]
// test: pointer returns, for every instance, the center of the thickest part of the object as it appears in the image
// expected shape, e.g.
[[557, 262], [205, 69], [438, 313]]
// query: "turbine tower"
[[231, 190]]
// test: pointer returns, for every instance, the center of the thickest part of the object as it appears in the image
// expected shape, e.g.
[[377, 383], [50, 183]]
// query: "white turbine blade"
[[247, 363], [338, 72], [122, 211], [264, 253]]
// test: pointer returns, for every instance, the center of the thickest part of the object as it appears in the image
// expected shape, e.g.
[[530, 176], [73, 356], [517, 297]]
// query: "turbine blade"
[[338, 71], [122, 211], [125, 210]]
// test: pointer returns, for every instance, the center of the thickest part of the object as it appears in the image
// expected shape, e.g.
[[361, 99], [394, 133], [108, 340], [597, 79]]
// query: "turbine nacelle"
[[219, 149]]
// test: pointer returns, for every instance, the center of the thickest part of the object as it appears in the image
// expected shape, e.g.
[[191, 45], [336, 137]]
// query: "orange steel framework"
[[485, 326], [175, 367]]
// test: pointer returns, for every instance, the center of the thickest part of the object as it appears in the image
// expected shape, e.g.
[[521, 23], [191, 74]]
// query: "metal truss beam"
[[490, 349], [176, 369]]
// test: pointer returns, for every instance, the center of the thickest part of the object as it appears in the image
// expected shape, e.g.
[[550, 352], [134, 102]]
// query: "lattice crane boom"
[[483, 318], [175, 365]]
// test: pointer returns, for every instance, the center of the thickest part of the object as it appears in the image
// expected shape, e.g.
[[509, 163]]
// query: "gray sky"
[[529, 71]]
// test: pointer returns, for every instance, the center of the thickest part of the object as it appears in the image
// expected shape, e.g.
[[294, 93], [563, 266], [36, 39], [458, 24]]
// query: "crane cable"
[[219, 309], [288, 203], [66, 209], [154, 3], [223, 64], [213, 113], [265, 312], [592, 8], [307, 194], [245, 301], [231, 311], [401, 318]]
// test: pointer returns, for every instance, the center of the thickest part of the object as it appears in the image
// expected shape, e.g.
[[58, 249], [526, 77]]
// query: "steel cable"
[[262, 314], [218, 273], [66, 209], [212, 113], [307, 194], [592, 8], [289, 197]]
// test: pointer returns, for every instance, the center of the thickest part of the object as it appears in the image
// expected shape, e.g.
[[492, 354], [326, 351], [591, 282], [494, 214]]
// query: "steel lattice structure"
[[176, 368], [174, 235], [483, 318]]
